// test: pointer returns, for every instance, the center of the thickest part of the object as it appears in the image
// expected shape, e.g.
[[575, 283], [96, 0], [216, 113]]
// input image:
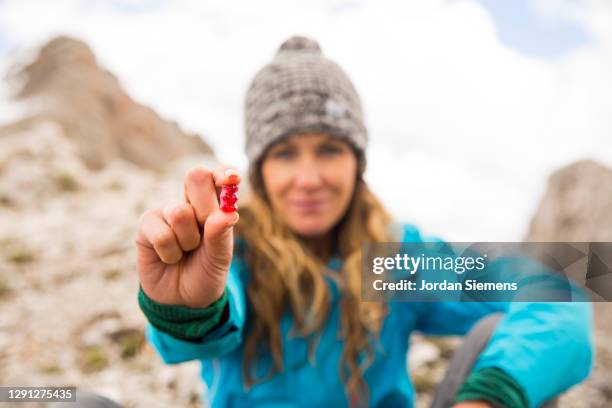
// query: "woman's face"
[[310, 180]]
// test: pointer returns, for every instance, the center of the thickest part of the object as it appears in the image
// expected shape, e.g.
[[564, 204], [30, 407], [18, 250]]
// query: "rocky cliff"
[[65, 85]]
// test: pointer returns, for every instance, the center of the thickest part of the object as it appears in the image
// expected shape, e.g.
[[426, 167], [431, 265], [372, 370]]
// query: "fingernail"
[[231, 174], [235, 220]]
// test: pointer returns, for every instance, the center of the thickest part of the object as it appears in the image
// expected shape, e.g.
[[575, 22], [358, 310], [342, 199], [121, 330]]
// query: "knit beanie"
[[301, 91]]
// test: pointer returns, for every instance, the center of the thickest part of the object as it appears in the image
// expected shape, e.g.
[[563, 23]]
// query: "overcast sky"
[[470, 103]]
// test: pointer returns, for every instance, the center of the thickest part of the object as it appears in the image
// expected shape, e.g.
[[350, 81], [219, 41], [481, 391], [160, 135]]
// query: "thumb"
[[218, 237]]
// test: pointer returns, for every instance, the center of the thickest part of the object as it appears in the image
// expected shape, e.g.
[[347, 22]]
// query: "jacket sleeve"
[[546, 347], [220, 341]]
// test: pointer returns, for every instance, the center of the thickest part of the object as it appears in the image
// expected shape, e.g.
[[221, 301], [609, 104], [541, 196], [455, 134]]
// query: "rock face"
[[577, 206], [65, 85]]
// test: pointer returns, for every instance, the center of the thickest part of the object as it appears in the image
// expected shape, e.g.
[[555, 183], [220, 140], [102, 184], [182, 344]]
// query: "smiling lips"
[[308, 205]]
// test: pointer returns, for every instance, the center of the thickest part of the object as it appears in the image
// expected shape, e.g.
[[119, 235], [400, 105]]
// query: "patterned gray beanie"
[[301, 91]]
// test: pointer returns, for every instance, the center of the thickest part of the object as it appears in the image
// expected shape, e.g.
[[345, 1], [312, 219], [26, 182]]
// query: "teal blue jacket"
[[545, 347]]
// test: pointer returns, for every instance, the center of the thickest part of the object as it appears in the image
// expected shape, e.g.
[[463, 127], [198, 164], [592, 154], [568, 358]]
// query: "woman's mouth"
[[308, 205]]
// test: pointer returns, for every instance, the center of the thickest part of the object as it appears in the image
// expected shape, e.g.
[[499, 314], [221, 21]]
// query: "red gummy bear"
[[229, 198]]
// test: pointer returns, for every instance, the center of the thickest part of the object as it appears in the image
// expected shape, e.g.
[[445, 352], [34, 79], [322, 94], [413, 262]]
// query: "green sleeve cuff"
[[495, 386], [183, 322]]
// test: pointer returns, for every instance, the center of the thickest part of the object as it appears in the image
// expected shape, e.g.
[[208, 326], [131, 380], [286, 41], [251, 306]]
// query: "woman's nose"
[[308, 175]]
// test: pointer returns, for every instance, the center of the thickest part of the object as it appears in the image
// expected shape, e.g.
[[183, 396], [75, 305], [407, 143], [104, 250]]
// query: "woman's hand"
[[184, 250], [472, 404]]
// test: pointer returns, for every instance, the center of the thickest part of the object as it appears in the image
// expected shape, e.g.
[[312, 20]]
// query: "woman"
[[271, 304]]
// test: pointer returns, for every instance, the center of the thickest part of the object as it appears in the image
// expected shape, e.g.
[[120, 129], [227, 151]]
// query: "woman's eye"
[[330, 151], [282, 154]]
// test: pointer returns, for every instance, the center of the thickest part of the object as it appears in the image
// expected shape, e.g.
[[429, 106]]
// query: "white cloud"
[[473, 127]]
